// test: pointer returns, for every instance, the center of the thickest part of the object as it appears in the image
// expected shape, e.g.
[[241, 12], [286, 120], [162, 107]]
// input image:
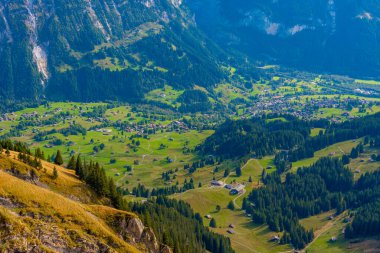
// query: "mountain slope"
[[100, 49], [36, 216], [335, 36]]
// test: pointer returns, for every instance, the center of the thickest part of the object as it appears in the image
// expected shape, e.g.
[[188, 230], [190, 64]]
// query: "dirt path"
[[324, 229], [237, 197], [242, 168], [247, 247], [143, 156]]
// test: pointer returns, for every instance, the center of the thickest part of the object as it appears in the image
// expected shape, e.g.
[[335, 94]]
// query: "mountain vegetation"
[[329, 36], [175, 222], [157, 213], [70, 49], [324, 186], [289, 140]]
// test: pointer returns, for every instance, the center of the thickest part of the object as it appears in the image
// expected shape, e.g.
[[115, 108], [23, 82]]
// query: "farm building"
[[237, 189], [228, 186], [217, 183], [275, 238]]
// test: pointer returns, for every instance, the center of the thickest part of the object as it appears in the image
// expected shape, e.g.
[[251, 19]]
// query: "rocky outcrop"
[[133, 230], [148, 238], [33, 218]]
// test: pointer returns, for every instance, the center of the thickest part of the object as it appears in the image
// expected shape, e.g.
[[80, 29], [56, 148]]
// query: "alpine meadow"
[[189, 126]]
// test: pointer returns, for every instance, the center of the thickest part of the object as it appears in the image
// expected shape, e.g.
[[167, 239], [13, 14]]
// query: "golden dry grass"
[[42, 206]]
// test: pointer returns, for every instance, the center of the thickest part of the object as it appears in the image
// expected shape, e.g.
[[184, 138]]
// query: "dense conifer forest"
[[324, 186], [179, 227], [260, 137]]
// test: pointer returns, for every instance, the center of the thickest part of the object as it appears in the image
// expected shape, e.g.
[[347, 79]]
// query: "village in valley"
[[150, 147]]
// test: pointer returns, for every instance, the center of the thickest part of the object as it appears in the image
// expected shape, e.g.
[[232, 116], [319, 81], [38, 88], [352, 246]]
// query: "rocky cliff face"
[[51, 237], [331, 35], [100, 49]]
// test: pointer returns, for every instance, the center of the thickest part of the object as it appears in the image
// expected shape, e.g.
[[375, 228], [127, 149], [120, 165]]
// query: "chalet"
[[347, 219], [217, 183], [238, 189], [333, 239], [208, 216], [231, 231], [104, 131], [275, 238], [231, 226]]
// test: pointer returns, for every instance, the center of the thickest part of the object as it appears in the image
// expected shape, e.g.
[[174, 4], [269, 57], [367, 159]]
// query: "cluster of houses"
[[174, 126], [234, 188], [8, 117], [364, 91], [104, 131], [303, 109]]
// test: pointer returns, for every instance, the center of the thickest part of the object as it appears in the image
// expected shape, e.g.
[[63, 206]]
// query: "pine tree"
[[79, 168], [238, 171], [345, 159], [231, 205], [354, 153], [72, 163], [58, 158], [213, 223], [360, 148], [245, 204], [55, 173]]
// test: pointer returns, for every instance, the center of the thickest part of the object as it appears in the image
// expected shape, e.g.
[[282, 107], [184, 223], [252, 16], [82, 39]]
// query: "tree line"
[[323, 186], [176, 225]]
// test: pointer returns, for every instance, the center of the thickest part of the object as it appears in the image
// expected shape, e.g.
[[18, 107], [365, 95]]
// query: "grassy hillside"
[[56, 214], [248, 237]]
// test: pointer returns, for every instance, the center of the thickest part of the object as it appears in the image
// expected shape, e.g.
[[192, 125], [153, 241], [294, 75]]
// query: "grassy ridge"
[[30, 207]]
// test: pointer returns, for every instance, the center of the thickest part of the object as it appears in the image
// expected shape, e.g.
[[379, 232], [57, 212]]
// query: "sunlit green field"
[[156, 154], [336, 150], [248, 237]]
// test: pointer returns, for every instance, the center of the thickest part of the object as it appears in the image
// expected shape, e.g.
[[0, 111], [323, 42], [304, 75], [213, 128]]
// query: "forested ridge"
[[177, 226], [255, 136], [321, 36], [324, 186], [260, 137], [106, 50]]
